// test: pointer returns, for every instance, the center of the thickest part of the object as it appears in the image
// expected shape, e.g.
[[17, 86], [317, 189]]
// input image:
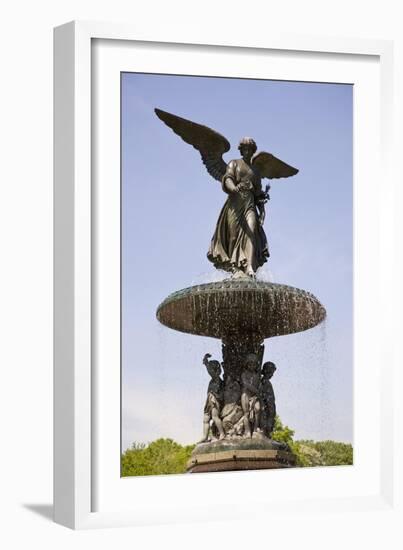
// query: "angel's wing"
[[271, 167], [210, 144]]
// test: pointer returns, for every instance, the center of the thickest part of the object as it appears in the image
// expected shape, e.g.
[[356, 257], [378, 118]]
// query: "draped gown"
[[239, 241]]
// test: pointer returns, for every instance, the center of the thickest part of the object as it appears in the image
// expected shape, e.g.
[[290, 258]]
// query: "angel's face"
[[246, 152]]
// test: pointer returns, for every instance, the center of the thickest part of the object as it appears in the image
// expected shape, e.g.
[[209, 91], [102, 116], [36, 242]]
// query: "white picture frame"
[[85, 494]]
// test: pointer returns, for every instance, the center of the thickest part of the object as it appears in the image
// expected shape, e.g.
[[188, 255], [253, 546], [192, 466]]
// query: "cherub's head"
[[268, 369], [247, 147], [214, 368], [252, 361]]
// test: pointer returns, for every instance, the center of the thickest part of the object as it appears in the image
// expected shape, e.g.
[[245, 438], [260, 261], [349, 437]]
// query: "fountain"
[[241, 311]]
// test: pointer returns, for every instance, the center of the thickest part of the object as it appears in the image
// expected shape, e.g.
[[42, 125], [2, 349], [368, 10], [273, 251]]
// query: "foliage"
[[162, 456], [313, 453], [165, 456], [325, 453], [282, 433]]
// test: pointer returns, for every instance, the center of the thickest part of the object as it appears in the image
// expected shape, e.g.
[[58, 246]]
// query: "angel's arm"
[[261, 198], [228, 181], [262, 212]]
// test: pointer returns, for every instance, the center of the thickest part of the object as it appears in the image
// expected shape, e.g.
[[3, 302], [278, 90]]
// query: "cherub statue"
[[231, 412], [214, 399], [268, 398], [250, 398], [239, 244]]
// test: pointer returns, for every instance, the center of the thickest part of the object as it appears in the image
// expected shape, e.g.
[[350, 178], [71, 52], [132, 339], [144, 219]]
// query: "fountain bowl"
[[236, 307]]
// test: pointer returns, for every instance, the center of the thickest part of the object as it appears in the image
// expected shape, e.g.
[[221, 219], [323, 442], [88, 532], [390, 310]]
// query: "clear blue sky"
[[170, 207]]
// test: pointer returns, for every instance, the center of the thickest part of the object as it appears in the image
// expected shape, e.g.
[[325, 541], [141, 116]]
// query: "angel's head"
[[247, 147]]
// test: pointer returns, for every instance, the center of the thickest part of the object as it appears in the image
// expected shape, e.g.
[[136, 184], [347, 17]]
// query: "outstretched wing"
[[271, 167], [210, 144]]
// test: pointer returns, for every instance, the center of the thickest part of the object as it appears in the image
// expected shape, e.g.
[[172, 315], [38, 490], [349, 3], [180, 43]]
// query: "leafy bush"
[[165, 456], [282, 433], [324, 453], [313, 453], [162, 456]]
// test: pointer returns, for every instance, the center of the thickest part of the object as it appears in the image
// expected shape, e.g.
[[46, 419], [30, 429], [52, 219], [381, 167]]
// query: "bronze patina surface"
[[240, 454], [242, 308], [239, 244], [240, 409]]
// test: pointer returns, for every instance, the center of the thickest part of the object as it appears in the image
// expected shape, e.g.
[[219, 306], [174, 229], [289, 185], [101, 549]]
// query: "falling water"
[[212, 276], [323, 359], [258, 309], [302, 381], [265, 275]]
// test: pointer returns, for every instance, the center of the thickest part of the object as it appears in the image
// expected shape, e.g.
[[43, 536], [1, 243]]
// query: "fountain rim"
[[234, 285], [231, 287]]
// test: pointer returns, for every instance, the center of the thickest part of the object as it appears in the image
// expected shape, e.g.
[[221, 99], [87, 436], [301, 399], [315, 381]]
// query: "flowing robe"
[[239, 241]]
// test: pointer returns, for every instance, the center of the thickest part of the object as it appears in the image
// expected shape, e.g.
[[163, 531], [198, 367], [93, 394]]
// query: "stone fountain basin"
[[232, 308]]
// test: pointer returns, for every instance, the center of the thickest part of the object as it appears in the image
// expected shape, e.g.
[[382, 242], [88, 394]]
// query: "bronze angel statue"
[[239, 244]]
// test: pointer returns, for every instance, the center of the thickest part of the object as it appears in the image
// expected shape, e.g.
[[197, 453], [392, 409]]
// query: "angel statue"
[[239, 244]]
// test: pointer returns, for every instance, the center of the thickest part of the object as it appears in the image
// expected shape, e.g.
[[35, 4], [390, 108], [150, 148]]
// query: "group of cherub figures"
[[243, 407]]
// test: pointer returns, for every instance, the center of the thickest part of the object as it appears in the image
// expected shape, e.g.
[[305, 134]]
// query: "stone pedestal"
[[240, 454]]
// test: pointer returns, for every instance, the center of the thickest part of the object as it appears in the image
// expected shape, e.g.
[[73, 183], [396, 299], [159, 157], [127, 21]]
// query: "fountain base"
[[240, 410], [256, 453]]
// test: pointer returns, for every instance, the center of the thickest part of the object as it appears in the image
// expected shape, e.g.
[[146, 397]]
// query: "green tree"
[[325, 453], [162, 456], [285, 434], [165, 456], [282, 433], [313, 453]]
